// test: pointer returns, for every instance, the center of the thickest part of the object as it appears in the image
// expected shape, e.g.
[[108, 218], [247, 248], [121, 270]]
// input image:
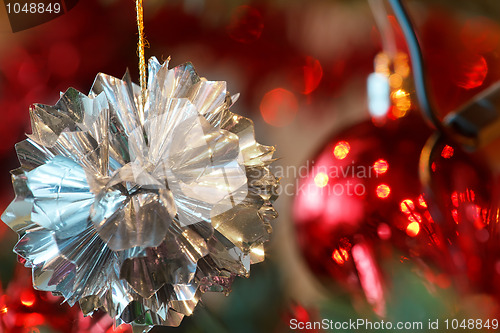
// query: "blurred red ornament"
[[363, 199], [347, 210], [25, 310], [465, 216]]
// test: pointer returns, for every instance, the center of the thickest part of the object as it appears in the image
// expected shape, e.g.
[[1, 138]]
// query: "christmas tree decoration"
[[138, 199], [461, 187], [347, 210], [140, 211], [461, 215], [388, 87], [381, 191]]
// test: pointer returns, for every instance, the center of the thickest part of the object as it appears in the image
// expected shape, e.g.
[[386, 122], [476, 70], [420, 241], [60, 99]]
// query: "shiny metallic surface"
[[140, 213]]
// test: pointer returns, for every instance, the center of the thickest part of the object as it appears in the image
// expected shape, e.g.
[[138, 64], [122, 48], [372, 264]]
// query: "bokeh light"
[[421, 201], [340, 256], [447, 152], [279, 107], [383, 191], [381, 166], [341, 150], [407, 206], [401, 64], [395, 81], [321, 179], [402, 103], [413, 229], [28, 298], [384, 231]]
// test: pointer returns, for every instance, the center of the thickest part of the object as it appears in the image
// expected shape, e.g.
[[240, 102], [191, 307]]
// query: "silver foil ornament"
[[139, 210]]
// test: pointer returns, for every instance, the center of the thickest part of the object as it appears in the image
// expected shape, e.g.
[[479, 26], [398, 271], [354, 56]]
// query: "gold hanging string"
[[141, 44]]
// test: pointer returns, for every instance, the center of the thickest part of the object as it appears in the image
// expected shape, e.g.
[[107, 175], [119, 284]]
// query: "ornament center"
[[133, 209]]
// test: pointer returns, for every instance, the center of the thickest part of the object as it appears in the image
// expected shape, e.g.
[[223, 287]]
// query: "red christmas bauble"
[[365, 200], [348, 209], [461, 190]]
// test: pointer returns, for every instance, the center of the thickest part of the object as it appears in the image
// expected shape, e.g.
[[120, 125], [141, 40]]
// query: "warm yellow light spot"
[[337, 257], [382, 62], [413, 229], [383, 191], [400, 93], [407, 206], [395, 81], [258, 251], [4, 309], [381, 166], [321, 179], [27, 298], [402, 103], [28, 302], [401, 65], [341, 150], [340, 256]]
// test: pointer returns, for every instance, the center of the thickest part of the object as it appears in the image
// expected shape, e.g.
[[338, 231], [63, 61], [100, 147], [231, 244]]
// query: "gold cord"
[[140, 48]]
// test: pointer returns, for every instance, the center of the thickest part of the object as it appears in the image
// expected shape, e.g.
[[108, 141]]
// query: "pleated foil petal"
[[139, 210]]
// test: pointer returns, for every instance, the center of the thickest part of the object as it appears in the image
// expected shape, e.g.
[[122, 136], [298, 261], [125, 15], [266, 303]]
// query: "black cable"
[[416, 63]]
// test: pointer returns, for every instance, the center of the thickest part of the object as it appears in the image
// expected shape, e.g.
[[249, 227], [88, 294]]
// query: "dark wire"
[[416, 63]]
